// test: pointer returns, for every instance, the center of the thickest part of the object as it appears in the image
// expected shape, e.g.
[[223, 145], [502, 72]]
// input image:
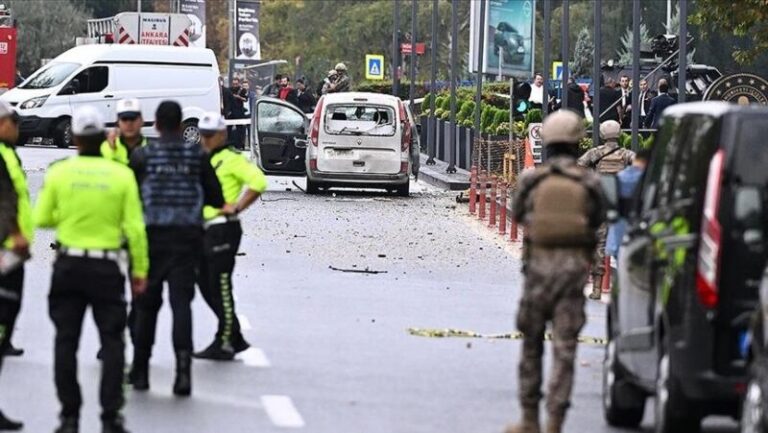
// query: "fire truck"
[[7, 49]]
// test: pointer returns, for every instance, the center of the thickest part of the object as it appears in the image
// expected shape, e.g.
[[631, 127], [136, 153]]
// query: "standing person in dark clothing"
[[646, 96], [306, 100], [658, 105], [174, 220], [609, 97], [239, 100], [273, 88], [575, 97]]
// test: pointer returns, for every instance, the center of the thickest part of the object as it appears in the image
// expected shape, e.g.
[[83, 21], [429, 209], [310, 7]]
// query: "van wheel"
[[312, 187], [404, 190], [623, 403], [673, 413], [191, 132], [62, 134]]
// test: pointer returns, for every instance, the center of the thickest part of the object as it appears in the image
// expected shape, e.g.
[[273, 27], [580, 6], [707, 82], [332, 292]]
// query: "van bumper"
[[34, 126], [715, 393], [354, 179]]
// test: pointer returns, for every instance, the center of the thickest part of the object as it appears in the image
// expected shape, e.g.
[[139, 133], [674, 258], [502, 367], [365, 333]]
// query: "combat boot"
[[114, 425], [69, 425], [183, 384], [529, 424], [597, 288], [139, 374], [555, 423]]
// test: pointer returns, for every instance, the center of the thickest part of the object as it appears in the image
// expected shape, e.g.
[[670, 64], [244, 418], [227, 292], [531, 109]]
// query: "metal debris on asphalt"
[[459, 333], [357, 271]]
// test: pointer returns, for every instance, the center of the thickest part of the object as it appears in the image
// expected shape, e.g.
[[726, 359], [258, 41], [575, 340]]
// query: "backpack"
[[561, 211]]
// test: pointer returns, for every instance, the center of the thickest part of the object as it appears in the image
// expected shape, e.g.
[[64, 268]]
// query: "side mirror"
[[610, 185], [72, 88]]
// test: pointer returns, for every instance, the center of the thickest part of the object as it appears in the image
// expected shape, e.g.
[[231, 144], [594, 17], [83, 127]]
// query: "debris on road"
[[459, 333], [357, 271]]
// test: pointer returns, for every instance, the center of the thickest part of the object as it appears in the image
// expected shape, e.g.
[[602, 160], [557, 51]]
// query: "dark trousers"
[[11, 286], [77, 283], [221, 243], [174, 263]]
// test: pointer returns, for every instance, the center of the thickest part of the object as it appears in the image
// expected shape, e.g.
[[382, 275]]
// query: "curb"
[[436, 175]]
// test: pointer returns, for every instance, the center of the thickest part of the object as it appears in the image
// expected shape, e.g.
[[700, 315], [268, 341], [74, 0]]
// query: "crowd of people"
[[615, 100], [115, 218]]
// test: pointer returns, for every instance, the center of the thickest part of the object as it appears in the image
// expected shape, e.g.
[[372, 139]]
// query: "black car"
[[689, 270]]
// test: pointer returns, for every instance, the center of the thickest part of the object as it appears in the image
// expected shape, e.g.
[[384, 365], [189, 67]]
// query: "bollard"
[[606, 283], [481, 211], [492, 213], [503, 210], [473, 190], [513, 231]]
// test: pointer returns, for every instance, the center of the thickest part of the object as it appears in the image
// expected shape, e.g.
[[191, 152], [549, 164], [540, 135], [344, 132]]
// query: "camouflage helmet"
[[610, 130], [562, 126], [340, 67]]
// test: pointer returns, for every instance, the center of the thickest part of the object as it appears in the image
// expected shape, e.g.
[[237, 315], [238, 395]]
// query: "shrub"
[[533, 116]]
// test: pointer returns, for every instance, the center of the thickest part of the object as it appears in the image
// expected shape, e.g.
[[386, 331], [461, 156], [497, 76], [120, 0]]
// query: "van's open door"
[[279, 137]]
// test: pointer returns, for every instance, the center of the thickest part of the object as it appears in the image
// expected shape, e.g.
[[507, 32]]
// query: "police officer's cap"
[[562, 126], [7, 111], [341, 67], [128, 108], [87, 121], [610, 130], [211, 123]]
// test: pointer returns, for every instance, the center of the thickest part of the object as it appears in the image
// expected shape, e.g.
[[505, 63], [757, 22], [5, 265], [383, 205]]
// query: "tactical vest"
[[561, 209], [171, 191], [612, 161]]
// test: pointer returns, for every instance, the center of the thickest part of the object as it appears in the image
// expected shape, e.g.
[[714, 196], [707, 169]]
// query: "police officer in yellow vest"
[[15, 241], [93, 203], [119, 145], [242, 184]]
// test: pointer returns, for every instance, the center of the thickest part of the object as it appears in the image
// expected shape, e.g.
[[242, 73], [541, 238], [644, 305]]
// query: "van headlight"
[[33, 103]]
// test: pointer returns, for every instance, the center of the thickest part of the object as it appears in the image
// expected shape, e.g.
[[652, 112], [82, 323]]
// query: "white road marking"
[[243, 403], [245, 324], [254, 357], [281, 411]]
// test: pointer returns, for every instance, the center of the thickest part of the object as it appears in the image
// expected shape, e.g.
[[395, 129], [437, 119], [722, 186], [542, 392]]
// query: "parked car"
[[100, 75], [279, 137], [754, 416], [361, 140], [689, 270]]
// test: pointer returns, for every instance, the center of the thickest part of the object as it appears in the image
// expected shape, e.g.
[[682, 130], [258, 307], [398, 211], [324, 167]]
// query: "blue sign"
[[374, 67]]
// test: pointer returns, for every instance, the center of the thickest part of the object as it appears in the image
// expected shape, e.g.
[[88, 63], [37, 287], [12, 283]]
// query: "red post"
[[503, 210], [481, 211], [473, 190], [513, 230], [492, 215], [606, 283]]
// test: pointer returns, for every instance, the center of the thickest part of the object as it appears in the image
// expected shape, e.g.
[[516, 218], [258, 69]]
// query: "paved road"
[[331, 352]]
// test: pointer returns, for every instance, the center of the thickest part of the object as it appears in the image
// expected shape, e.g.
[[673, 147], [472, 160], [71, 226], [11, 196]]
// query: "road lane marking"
[[281, 411], [245, 324], [254, 357]]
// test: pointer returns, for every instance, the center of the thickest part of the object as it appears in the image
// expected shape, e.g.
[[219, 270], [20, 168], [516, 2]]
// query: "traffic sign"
[[557, 71], [407, 48], [374, 67]]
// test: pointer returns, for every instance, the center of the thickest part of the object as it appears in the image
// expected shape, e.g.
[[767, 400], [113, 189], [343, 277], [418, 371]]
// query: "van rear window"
[[360, 119], [751, 155]]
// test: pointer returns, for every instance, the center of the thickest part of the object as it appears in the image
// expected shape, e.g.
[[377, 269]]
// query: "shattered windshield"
[[358, 119]]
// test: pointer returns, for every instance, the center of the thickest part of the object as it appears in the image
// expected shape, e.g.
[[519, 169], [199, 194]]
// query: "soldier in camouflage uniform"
[[610, 158], [560, 205]]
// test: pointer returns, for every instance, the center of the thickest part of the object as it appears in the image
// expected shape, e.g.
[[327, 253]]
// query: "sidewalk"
[[436, 175]]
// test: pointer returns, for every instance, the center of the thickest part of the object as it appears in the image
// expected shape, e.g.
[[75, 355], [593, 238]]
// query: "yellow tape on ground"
[[459, 333]]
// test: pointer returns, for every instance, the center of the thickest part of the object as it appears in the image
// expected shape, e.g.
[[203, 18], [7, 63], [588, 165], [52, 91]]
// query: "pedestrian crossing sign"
[[374, 67]]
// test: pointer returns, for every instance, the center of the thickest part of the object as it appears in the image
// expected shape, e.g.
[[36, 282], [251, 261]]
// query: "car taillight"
[[314, 127], [313, 164], [708, 267], [404, 167], [406, 135]]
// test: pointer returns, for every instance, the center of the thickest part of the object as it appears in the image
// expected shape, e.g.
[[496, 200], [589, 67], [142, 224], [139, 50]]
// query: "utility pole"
[[454, 74], [635, 73], [547, 55], [682, 64], [414, 20], [480, 56], [566, 53], [597, 72], [231, 13], [396, 50], [138, 6], [432, 120]]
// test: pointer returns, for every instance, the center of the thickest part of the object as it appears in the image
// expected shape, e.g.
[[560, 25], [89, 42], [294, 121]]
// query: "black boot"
[[139, 375], [216, 352], [183, 384], [69, 425], [240, 345], [114, 425], [9, 424]]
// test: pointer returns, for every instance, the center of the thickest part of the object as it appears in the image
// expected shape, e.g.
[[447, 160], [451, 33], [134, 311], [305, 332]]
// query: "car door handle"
[[108, 96]]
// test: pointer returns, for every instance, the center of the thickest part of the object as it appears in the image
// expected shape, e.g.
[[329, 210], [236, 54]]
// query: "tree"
[[46, 29], [625, 55], [583, 55], [745, 19]]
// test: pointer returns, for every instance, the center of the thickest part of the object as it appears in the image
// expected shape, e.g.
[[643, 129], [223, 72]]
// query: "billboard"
[[509, 37], [258, 76], [247, 30], [195, 10], [154, 29]]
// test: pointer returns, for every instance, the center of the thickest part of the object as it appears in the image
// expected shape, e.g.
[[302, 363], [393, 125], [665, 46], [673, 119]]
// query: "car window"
[[658, 164], [50, 76], [669, 169], [696, 152], [360, 119], [278, 119], [750, 156], [92, 80]]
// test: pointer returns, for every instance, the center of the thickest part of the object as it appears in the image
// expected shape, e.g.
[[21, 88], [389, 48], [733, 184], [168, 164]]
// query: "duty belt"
[[222, 219], [113, 255]]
